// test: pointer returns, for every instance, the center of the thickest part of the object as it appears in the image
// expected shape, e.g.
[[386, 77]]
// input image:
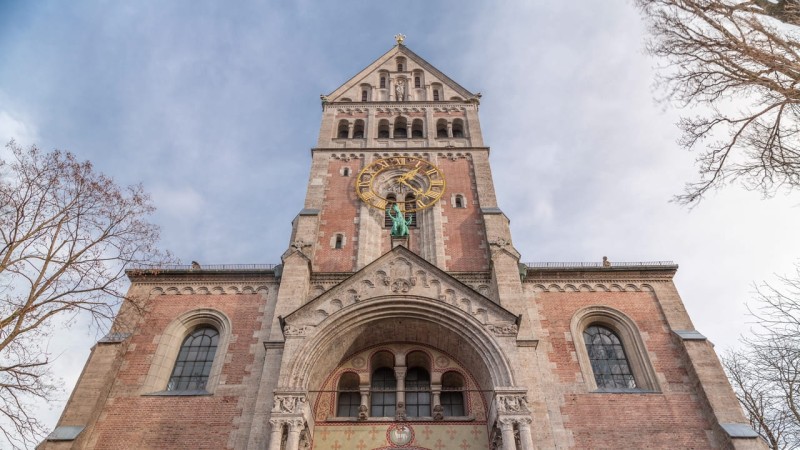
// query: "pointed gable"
[[421, 80], [401, 273]]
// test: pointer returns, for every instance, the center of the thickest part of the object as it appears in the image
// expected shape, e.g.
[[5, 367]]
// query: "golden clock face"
[[398, 178]]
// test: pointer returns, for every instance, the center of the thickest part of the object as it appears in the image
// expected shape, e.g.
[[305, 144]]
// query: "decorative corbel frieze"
[[297, 330], [503, 329], [288, 403], [512, 404]]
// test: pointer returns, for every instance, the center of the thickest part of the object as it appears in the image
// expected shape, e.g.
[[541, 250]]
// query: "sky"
[[214, 106]]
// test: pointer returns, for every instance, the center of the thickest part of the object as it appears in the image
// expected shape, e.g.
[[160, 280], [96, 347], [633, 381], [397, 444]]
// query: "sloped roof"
[[399, 50]]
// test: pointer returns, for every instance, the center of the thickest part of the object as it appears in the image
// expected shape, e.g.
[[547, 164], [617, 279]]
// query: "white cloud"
[[14, 127]]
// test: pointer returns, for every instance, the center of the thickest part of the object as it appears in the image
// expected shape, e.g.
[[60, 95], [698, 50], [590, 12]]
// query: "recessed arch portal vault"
[[395, 319]]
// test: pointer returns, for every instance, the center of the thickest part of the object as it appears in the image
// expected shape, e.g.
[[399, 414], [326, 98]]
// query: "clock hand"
[[409, 175], [416, 191]]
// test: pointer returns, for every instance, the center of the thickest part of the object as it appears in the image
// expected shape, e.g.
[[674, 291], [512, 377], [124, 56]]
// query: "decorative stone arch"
[[342, 334], [169, 344], [629, 335]]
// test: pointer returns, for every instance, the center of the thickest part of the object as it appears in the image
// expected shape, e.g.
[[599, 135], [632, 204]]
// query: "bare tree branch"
[[66, 235], [765, 374], [741, 60]]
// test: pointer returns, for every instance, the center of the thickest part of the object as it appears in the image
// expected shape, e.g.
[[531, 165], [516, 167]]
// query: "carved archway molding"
[[316, 341]]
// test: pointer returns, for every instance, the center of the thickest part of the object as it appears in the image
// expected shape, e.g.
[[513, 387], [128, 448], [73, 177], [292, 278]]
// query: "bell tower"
[[400, 109]]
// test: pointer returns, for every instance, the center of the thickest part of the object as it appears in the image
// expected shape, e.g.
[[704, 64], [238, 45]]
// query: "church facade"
[[401, 317]]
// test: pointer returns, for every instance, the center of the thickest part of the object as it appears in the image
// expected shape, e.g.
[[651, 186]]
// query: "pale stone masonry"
[[437, 340]]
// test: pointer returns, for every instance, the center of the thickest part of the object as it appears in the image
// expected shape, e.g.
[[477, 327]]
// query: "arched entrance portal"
[[385, 362]]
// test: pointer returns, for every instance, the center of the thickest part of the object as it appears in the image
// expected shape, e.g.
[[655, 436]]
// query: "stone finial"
[[606, 262], [399, 38], [195, 265]]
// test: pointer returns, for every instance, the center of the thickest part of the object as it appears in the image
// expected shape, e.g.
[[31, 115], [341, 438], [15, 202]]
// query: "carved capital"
[[296, 425], [506, 423]]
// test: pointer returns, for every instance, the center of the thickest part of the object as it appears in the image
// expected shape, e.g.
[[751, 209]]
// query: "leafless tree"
[[765, 373], [66, 234], [740, 61]]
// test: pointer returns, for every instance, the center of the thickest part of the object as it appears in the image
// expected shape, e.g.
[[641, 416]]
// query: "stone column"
[[276, 434], [364, 399], [525, 433], [295, 427], [400, 374], [507, 430], [449, 129], [369, 126], [436, 391], [350, 127]]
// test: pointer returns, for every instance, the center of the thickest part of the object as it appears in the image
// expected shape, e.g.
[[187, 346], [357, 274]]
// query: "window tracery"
[[194, 361], [607, 355], [610, 351]]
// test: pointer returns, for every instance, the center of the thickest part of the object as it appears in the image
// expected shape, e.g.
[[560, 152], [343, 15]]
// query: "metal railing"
[[208, 267], [577, 265]]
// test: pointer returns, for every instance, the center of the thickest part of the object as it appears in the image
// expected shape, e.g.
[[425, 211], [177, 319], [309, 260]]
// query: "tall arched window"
[[438, 94], [611, 352], [383, 82], [458, 128], [452, 397], [383, 128], [194, 361], [343, 129], [416, 128], [383, 395], [418, 392], [364, 96], [339, 242], [608, 359], [441, 128], [400, 127], [349, 397], [358, 129]]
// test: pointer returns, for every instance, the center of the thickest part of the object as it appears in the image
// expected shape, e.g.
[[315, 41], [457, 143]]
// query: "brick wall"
[[464, 238], [131, 420], [338, 216], [672, 418]]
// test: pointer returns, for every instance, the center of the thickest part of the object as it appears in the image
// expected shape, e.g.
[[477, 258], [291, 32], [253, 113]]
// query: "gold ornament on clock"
[[400, 175]]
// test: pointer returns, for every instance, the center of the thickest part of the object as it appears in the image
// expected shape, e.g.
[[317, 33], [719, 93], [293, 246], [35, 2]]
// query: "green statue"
[[399, 222]]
